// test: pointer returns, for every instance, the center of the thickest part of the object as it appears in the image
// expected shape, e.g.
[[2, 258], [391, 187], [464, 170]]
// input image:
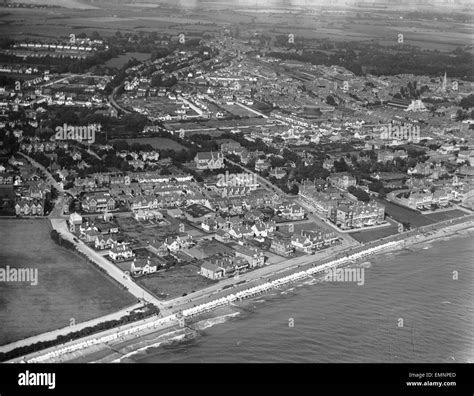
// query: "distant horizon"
[[454, 5]]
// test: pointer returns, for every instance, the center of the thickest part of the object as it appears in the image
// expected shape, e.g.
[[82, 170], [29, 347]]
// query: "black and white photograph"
[[236, 191]]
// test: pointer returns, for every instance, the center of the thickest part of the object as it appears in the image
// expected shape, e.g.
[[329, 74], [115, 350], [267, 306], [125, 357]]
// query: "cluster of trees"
[[467, 102], [361, 195], [346, 58], [68, 65], [378, 60], [58, 239], [411, 91], [10, 142], [159, 81], [462, 115], [127, 125]]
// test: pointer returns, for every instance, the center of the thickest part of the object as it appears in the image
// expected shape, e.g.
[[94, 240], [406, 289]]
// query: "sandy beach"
[[163, 332]]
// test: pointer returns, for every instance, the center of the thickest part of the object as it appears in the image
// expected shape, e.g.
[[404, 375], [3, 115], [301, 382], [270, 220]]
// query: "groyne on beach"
[[154, 324], [94, 343]]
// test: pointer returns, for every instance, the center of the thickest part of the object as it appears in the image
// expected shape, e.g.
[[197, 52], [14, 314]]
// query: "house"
[[254, 257], [387, 155], [6, 179], [342, 180], [181, 241], [106, 227], [231, 147], [441, 197], [291, 212], [262, 229], [302, 243], [29, 207], [209, 225], [282, 247], [98, 202], [262, 165], [231, 265], [222, 236], [358, 214], [277, 173], [121, 252], [91, 235], [143, 202], [146, 269], [211, 271], [198, 213], [145, 215], [76, 155], [75, 219], [420, 200], [321, 202], [209, 160], [102, 242], [254, 215], [241, 231]]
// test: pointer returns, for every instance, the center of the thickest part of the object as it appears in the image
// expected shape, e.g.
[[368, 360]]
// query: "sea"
[[415, 306]]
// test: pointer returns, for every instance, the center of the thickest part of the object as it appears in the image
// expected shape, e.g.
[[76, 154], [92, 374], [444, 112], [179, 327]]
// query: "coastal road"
[[52, 335], [111, 269], [251, 278], [215, 291]]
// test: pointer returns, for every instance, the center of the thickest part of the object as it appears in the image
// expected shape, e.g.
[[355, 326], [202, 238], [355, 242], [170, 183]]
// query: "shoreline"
[[112, 345], [172, 334]]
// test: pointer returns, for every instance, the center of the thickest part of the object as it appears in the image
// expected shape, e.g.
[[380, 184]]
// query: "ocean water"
[[415, 305]]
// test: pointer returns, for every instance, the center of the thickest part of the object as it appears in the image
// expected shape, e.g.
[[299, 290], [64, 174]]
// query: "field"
[[155, 106], [68, 286], [238, 110], [121, 60], [405, 215], [157, 143], [175, 282], [417, 219], [373, 235], [358, 24], [140, 233], [135, 231], [224, 124], [446, 215]]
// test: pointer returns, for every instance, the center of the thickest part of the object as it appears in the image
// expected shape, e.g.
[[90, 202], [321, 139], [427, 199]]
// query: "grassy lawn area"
[[68, 286], [175, 282], [156, 142], [121, 60], [373, 235], [313, 225], [238, 110], [140, 233], [447, 215], [406, 215]]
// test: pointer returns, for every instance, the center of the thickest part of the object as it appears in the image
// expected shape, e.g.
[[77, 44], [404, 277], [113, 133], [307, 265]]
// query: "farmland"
[[68, 286], [157, 143]]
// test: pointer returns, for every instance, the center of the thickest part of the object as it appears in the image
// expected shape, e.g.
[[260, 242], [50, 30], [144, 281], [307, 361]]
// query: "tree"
[[340, 165], [330, 100]]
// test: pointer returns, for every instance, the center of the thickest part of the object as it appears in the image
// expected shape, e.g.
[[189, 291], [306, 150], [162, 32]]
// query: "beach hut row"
[[209, 305], [263, 288], [352, 257], [85, 344], [248, 293]]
